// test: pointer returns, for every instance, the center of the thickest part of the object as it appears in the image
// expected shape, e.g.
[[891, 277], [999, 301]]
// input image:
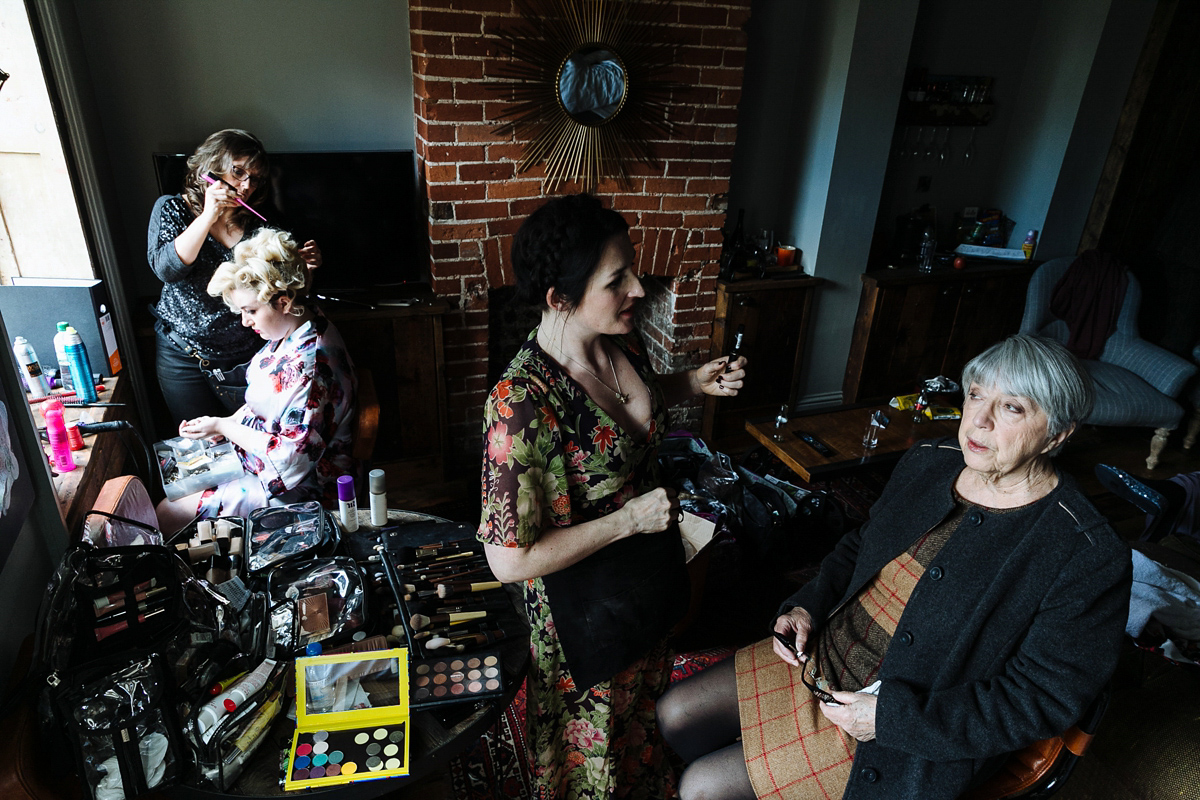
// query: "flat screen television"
[[360, 207]]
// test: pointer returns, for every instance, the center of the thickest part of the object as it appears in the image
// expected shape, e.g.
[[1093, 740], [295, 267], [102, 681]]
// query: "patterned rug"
[[497, 766]]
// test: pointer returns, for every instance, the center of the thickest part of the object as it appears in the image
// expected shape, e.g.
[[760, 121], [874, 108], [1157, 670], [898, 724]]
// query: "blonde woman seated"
[[294, 432]]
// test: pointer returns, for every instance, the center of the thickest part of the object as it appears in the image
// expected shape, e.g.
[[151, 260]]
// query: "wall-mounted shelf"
[[923, 112]]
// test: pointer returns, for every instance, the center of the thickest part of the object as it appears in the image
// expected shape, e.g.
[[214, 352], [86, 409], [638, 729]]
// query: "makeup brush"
[[461, 643], [470, 626], [420, 621], [447, 589], [208, 176]]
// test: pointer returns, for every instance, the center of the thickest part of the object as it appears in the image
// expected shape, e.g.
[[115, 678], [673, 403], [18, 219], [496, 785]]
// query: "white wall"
[[299, 74]]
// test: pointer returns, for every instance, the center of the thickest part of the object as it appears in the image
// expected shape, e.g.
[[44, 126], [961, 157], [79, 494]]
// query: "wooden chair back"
[[366, 424]]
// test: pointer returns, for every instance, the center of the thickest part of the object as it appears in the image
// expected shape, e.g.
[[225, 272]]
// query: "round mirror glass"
[[591, 84]]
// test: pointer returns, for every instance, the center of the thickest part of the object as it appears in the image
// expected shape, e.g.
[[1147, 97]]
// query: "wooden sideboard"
[[402, 347], [914, 325], [775, 312]]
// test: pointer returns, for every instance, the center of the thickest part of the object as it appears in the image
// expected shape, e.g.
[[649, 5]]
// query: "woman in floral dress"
[[294, 433], [572, 506]]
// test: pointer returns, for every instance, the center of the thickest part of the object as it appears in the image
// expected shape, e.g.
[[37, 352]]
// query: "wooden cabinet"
[[913, 325], [775, 313], [402, 347]]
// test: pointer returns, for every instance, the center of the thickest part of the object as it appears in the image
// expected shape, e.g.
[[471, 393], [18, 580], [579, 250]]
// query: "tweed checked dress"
[[792, 751]]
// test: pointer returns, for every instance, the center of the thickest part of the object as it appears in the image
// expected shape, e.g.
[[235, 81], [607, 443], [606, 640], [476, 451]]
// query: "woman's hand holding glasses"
[[791, 635]]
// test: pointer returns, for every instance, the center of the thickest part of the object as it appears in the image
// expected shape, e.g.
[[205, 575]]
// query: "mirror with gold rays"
[[585, 78]]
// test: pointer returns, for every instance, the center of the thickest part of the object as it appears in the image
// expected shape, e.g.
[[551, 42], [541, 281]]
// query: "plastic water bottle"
[[81, 367], [35, 381], [64, 363]]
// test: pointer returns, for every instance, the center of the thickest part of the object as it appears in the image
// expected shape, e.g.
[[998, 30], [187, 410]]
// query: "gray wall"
[[815, 160], [299, 74]]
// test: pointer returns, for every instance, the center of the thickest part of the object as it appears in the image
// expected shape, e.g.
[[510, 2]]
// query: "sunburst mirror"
[[585, 81]]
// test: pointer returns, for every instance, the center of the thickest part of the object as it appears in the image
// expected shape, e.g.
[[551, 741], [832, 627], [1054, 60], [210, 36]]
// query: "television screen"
[[360, 207]]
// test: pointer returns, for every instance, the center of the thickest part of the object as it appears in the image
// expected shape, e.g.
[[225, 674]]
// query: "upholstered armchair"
[[1135, 381], [1193, 396]]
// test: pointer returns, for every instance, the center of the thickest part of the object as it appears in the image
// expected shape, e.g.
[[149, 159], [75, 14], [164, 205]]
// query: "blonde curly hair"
[[269, 264]]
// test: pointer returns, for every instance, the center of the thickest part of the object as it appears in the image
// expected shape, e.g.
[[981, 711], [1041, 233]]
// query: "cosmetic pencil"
[[208, 176]]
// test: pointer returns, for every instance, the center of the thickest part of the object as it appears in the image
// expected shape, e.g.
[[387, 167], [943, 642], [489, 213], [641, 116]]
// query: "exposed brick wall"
[[477, 199]]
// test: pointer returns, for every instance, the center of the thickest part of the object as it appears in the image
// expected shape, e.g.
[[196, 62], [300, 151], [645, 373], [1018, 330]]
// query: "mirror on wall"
[[585, 79], [591, 84]]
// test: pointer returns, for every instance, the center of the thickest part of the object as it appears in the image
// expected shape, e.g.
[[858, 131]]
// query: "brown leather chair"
[[1041, 769]]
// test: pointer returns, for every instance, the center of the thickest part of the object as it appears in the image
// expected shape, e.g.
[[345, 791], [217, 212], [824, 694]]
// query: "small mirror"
[[591, 84], [331, 687]]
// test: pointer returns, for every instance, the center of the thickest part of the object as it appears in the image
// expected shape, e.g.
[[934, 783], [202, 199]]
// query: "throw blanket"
[[1088, 298]]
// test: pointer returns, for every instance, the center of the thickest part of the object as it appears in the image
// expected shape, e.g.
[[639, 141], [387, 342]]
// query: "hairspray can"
[[347, 504], [81, 368], [60, 448], [35, 381], [60, 353], [378, 489]]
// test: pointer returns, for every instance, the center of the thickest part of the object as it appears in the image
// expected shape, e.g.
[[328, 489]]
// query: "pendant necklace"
[[622, 398]]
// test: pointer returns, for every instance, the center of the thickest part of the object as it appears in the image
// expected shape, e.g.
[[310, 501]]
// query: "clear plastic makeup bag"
[[279, 534], [125, 739], [324, 600]]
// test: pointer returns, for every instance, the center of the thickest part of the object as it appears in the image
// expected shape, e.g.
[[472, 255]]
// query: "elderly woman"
[[294, 432], [189, 236], [979, 609]]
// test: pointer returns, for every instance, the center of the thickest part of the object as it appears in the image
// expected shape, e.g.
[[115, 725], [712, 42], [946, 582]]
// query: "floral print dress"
[[301, 391], [554, 458]]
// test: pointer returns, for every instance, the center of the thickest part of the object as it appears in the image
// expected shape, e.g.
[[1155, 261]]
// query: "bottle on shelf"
[[928, 245], [64, 364], [732, 247], [1029, 245], [31, 369], [81, 367]]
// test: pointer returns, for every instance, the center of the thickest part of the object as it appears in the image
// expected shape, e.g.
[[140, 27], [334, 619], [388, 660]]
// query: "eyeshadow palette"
[[351, 719], [469, 676], [347, 753]]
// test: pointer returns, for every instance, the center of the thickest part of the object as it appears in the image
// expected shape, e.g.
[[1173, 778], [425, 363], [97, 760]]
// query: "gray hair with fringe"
[[1041, 370]]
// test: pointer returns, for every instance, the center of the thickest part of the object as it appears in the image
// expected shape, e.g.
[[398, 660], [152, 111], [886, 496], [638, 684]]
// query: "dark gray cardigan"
[[1013, 629]]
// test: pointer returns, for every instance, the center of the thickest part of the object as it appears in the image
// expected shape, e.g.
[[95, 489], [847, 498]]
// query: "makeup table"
[[841, 430], [436, 735]]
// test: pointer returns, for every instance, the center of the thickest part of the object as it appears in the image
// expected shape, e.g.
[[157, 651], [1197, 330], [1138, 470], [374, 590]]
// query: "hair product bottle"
[[60, 447], [35, 381], [60, 352], [81, 367]]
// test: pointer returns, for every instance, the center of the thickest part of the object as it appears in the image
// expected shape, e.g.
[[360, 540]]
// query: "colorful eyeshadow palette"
[[353, 722], [449, 679]]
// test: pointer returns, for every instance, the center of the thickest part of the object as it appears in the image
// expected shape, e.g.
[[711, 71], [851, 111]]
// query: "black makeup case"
[[118, 718], [124, 634]]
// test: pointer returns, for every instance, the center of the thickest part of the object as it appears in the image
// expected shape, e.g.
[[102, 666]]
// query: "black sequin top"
[[184, 305]]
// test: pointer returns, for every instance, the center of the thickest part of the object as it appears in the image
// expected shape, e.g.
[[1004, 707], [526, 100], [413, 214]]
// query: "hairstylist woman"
[[189, 236], [294, 434], [573, 508]]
